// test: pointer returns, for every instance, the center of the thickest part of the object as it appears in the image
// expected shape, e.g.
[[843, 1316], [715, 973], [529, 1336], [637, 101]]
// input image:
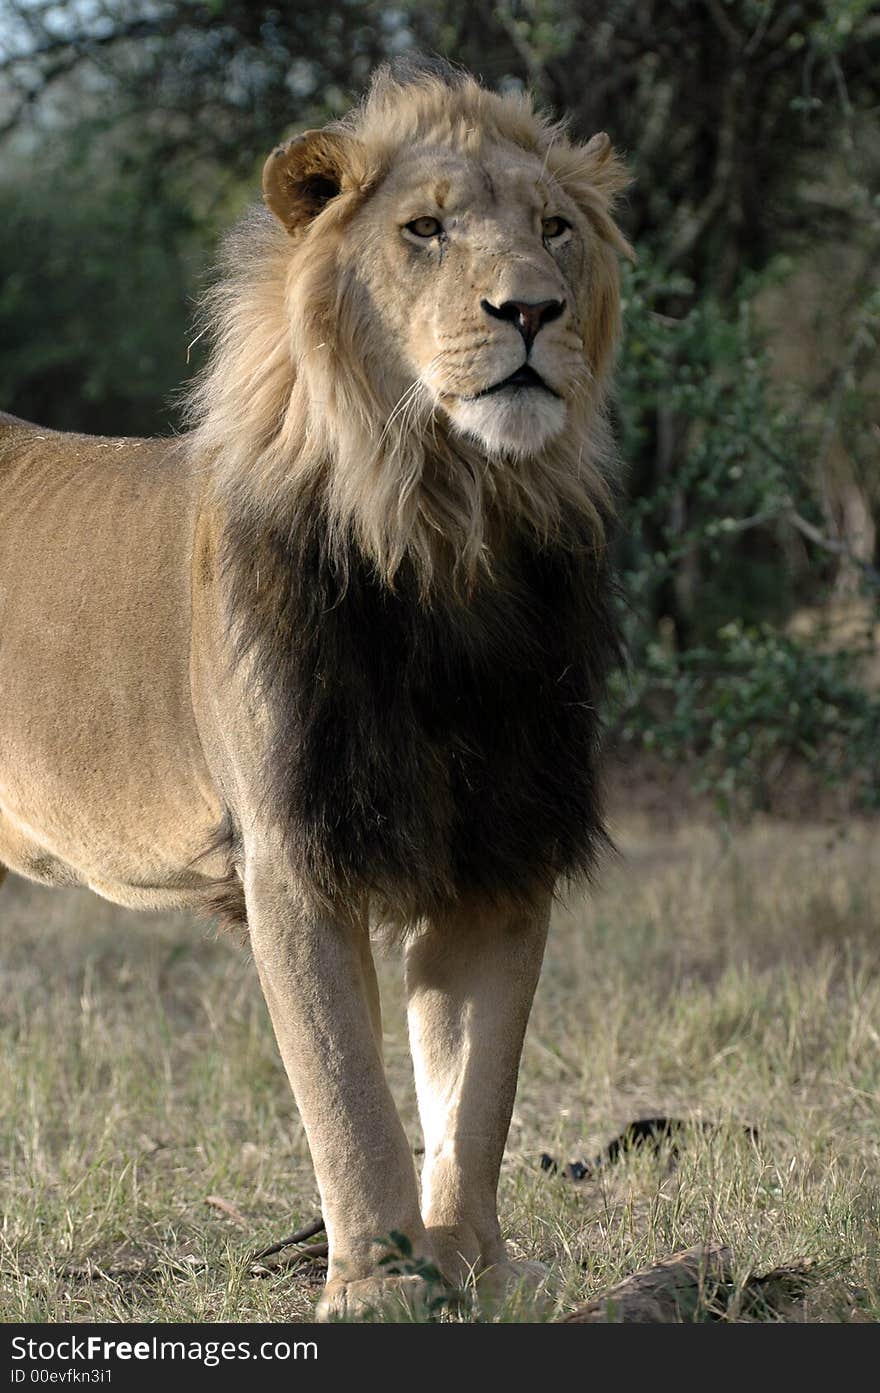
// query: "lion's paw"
[[376, 1298]]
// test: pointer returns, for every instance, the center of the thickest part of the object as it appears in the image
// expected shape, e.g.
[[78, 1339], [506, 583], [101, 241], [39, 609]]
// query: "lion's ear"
[[607, 170], [301, 177], [595, 176], [599, 146]]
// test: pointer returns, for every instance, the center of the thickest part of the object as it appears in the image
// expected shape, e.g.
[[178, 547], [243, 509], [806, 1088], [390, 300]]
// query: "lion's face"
[[473, 263], [479, 271]]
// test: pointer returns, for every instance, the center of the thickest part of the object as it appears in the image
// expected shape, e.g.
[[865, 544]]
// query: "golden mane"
[[293, 402]]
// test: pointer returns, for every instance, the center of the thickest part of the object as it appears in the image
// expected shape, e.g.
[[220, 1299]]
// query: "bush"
[[714, 560]]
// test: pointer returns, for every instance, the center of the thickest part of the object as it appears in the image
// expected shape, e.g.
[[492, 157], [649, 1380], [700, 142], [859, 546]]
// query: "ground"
[[725, 976]]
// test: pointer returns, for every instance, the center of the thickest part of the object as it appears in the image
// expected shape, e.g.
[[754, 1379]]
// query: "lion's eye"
[[425, 227], [552, 228]]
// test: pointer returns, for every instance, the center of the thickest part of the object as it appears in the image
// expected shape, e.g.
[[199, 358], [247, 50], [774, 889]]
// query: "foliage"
[[398, 1260], [721, 527], [96, 300], [749, 704], [696, 407]]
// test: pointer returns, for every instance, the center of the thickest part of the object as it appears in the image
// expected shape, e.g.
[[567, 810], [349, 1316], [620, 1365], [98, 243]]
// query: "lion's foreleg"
[[313, 970], [371, 986], [470, 981]]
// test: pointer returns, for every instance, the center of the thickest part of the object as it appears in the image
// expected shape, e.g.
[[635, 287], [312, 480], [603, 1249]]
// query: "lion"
[[330, 661]]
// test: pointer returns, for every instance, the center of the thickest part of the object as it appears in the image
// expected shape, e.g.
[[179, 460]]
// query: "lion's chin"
[[514, 423]]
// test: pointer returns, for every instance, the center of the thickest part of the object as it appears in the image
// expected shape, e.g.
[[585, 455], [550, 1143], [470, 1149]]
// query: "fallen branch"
[[300, 1257], [301, 1236], [644, 1131]]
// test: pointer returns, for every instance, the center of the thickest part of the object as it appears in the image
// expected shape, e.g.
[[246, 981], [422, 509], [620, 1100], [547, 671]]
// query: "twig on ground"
[[218, 1202], [301, 1236]]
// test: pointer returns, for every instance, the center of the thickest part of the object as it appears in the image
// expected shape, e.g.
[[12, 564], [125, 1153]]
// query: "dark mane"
[[426, 752]]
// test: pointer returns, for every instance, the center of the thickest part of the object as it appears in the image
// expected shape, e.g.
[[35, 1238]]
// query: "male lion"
[[335, 656]]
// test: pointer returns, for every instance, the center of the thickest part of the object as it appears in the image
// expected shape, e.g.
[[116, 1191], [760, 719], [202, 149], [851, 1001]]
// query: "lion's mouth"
[[524, 377]]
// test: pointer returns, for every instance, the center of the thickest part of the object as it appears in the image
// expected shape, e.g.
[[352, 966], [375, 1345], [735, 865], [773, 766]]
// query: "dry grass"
[[735, 981]]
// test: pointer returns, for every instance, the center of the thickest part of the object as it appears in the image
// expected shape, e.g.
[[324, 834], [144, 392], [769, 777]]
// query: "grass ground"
[[731, 980]]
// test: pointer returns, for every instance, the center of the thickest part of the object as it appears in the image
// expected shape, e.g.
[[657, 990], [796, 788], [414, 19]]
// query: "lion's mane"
[[294, 401], [430, 626]]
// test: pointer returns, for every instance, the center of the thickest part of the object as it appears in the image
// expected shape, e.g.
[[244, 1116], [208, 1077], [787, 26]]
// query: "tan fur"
[[343, 355]]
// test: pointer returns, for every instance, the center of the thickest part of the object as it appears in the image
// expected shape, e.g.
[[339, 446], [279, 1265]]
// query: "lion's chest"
[[428, 752]]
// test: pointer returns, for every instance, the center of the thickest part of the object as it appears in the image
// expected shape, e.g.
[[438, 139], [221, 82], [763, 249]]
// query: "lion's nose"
[[528, 318]]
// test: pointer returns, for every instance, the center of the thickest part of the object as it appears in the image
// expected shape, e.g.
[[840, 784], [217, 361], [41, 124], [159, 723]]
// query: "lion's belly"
[[102, 778], [30, 856]]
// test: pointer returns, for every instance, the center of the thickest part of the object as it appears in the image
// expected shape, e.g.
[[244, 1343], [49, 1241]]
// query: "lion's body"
[[339, 651], [103, 781]]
